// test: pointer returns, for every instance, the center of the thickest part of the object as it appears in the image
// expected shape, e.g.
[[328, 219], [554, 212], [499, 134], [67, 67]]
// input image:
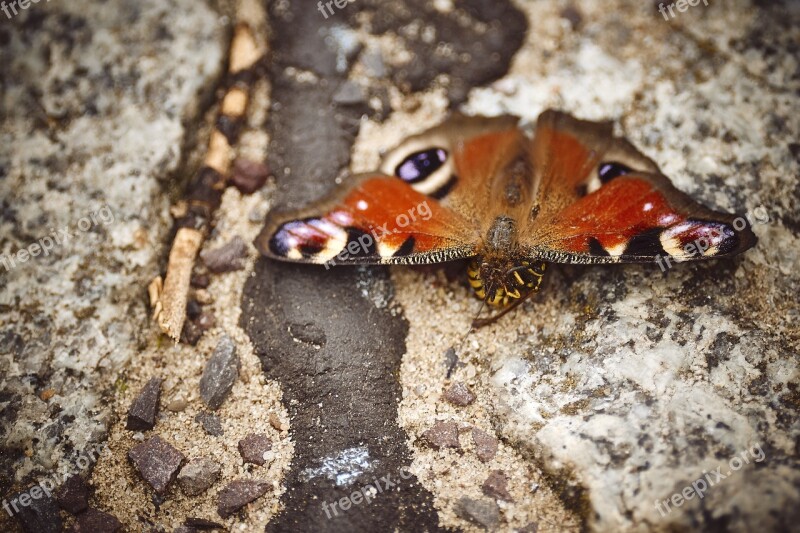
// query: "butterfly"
[[481, 188]]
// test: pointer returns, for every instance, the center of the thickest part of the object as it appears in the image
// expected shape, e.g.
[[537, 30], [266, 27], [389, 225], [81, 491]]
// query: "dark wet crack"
[[320, 333]]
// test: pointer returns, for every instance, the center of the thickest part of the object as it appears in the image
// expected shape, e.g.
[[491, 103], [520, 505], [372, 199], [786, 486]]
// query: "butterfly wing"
[[370, 219], [599, 200]]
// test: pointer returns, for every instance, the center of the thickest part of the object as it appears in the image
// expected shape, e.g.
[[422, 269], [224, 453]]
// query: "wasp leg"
[[480, 322]]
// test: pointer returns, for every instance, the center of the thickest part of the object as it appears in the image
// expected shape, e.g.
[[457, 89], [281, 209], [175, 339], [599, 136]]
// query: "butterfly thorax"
[[499, 273]]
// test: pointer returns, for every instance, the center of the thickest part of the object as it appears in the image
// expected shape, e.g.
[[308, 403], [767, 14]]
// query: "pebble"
[[532, 527], [73, 495], [450, 361], [442, 435], [212, 424], [177, 405], [202, 524], [253, 447], [227, 257], [143, 410], [459, 394], [275, 421], [200, 281], [496, 486], [484, 513], [206, 321], [239, 493], [220, 373], [157, 461], [198, 475], [485, 445], [193, 309], [249, 176], [94, 521], [349, 93], [191, 333], [41, 515]]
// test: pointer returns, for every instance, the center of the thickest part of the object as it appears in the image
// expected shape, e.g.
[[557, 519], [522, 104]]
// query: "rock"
[[177, 405], [202, 524], [220, 373], [459, 394], [373, 63], [485, 445], [40, 515], [253, 447], [442, 435], [198, 475], [191, 333], [239, 493], [157, 461], [143, 410], [212, 424], [484, 513], [184, 529], [206, 321], [248, 176], [200, 281], [496, 486], [277, 423], [73, 495], [95, 521], [349, 93], [532, 527], [227, 257], [450, 361], [193, 309]]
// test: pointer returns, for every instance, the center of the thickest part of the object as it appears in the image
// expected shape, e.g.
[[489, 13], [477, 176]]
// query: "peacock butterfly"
[[480, 188]]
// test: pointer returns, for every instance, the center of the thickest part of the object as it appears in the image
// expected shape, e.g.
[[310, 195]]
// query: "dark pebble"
[[533, 527], [253, 447], [484, 513], [40, 515], [212, 424], [157, 461], [206, 321], [193, 309], [496, 486], [94, 521], [485, 445], [227, 257], [220, 373], [200, 281], [442, 435], [249, 176], [144, 409], [191, 333], [238, 494], [73, 495], [459, 394], [202, 524]]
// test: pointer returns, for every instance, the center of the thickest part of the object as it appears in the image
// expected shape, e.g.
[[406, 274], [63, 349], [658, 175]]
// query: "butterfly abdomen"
[[498, 285]]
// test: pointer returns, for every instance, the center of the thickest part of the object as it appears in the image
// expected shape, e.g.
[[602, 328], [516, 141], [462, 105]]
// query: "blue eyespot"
[[420, 165], [609, 171]]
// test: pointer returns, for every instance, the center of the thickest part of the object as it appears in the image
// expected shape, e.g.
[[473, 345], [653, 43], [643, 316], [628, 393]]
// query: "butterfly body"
[[483, 189]]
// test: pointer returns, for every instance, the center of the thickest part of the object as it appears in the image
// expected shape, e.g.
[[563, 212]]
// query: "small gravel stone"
[[450, 361], [485, 445], [249, 176], [184, 529], [177, 405], [349, 93], [239, 493], [40, 515], [442, 435], [191, 333], [253, 447], [157, 461], [275, 421], [198, 475], [200, 281], [459, 394], [143, 411], [496, 486], [220, 374], [73, 495], [193, 309], [533, 527], [227, 257], [94, 521], [212, 424], [202, 524], [206, 321], [484, 513]]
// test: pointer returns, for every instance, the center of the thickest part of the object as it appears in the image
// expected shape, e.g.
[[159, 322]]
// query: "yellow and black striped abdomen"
[[499, 286]]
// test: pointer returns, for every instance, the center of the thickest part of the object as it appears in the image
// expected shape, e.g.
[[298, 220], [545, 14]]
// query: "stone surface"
[[144, 409], [198, 475], [202, 524], [496, 486], [239, 493], [442, 435], [253, 447], [40, 515], [227, 257], [485, 513], [212, 424], [220, 373], [485, 445], [459, 394], [73, 495], [249, 176], [95, 521], [96, 103], [157, 461]]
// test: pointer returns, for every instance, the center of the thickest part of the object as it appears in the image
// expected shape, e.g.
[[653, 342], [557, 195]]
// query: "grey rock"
[[373, 63], [484, 513], [220, 373], [226, 258], [459, 394], [157, 461], [253, 447], [184, 529], [144, 409], [40, 515], [212, 424], [349, 93], [239, 493], [496, 486], [95, 521], [73, 495], [532, 527], [442, 435], [485, 445], [198, 475]]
